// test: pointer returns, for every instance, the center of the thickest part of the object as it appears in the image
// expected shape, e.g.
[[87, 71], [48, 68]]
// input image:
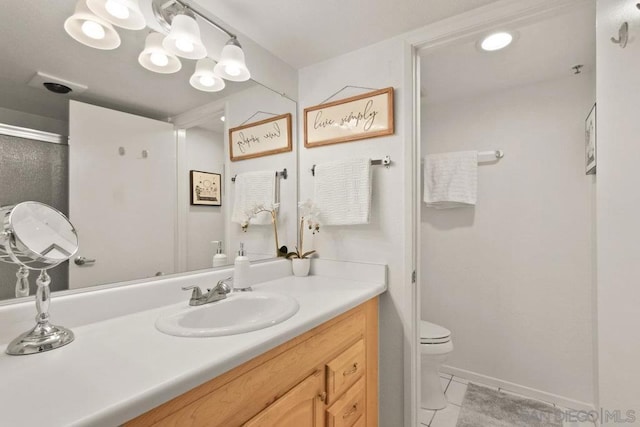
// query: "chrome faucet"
[[216, 294]]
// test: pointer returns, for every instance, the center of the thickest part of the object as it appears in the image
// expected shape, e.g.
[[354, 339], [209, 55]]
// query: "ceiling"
[[304, 32], [300, 32], [541, 51]]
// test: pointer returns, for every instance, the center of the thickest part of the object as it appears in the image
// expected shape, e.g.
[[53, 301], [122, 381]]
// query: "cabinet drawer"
[[345, 370], [349, 409]]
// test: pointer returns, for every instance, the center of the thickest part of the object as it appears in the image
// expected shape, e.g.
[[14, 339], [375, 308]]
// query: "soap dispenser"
[[219, 259], [241, 271]]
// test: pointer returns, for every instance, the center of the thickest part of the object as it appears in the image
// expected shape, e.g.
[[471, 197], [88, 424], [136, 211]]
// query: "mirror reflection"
[[137, 159], [37, 236]]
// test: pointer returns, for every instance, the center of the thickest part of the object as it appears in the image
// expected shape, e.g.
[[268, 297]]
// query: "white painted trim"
[[182, 211], [468, 25], [36, 135], [532, 393], [411, 307]]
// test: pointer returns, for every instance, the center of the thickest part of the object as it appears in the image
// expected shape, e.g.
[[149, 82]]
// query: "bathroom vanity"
[[327, 373], [319, 367]]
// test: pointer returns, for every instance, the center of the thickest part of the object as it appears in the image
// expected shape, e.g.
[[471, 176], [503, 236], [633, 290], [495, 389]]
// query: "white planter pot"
[[301, 266]]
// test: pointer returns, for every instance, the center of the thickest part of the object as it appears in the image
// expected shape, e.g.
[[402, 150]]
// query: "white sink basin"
[[239, 313]]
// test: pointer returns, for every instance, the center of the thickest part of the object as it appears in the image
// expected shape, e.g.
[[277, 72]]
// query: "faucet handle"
[[222, 286], [197, 293]]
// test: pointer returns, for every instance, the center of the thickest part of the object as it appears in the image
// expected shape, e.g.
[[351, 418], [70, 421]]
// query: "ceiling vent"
[[46, 81]]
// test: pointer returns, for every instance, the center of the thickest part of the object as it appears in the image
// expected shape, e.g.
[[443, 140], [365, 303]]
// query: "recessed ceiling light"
[[496, 41], [222, 118]]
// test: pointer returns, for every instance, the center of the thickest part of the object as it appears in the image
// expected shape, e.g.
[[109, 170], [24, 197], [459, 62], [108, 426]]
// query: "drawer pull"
[[353, 370], [323, 396], [351, 411]]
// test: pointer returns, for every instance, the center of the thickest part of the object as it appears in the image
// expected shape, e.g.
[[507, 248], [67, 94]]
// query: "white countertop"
[[119, 368]]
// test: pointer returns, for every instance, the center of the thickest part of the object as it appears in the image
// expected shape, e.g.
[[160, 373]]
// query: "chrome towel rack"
[[498, 154], [385, 161], [283, 173]]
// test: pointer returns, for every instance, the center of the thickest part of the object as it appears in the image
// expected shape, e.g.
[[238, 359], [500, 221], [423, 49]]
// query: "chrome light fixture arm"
[[165, 11], [204, 17]]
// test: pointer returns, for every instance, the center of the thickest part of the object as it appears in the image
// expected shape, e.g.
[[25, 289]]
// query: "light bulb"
[[496, 41], [232, 70], [117, 9], [93, 29], [207, 81], [159, 59], [184, 45]]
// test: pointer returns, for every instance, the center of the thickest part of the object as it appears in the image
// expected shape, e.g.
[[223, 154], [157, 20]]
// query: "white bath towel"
[[252, 189], [451, 179], [343, 191]]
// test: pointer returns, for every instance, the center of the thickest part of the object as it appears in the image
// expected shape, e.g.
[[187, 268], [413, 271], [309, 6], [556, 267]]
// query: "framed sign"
[[350, 119], [205, 188], [263, 138], [590, 141]]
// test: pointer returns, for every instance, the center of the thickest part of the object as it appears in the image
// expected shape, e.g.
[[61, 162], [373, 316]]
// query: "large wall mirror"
[[121, 155]]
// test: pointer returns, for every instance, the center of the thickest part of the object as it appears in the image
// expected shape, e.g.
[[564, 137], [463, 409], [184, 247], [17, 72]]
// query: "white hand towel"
[[343, 191], [252, 189], [451, 179]]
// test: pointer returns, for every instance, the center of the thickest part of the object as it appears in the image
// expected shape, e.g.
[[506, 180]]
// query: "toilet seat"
[[430, 333]]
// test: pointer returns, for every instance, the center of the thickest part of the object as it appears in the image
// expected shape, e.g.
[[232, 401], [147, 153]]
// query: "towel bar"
[[386, 161], [497, 153], [283, 173]]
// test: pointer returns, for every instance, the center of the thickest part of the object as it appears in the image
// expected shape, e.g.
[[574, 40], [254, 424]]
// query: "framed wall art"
[[590, 141], [263, 138], [358, 117], [205, 188]]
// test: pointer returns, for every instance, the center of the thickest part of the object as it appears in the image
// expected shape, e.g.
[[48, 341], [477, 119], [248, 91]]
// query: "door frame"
[[458, 29]]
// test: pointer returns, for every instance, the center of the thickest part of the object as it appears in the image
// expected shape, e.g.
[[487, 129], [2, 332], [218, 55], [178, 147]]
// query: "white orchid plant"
[[273, 211], [309, 215]]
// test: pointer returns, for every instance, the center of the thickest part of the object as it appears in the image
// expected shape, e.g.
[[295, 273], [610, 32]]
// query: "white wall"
[[512, 278], [383, 240], [205, 152], [259, 240], [618, 208]]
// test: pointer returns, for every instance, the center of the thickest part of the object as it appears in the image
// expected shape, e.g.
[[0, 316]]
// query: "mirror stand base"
[[43, 337]]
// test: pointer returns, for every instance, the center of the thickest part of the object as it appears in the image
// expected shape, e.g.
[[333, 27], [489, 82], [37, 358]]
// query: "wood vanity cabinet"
[[325, 377]]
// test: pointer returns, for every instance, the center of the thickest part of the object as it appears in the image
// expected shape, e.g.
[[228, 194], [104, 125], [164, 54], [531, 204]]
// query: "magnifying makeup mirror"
[[37, 237]]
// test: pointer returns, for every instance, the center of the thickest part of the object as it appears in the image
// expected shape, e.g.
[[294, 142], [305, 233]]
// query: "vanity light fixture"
[[91, 30], [496, 41], [184, 38], [92, 25], [155, 58], [205, 78], [123, 13]]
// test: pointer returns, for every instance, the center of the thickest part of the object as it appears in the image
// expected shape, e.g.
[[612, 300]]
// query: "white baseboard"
[[561, 401]]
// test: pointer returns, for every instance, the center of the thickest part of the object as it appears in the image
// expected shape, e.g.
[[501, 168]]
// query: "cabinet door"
[[302, 406]]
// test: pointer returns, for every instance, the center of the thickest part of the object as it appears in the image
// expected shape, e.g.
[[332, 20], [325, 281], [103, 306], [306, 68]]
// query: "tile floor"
[[454, 389]]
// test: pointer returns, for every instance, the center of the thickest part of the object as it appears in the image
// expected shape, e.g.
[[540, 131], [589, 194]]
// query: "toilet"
[[435, 346]]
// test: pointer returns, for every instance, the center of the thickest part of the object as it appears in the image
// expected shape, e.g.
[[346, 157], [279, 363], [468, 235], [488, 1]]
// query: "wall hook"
[[623, 36]]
